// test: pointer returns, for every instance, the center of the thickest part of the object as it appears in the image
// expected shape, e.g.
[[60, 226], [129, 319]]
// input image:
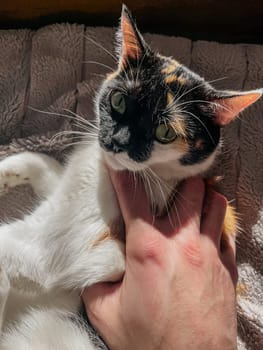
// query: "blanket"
[[48, 75]]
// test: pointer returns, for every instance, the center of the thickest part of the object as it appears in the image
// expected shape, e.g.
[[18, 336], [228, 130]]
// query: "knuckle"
[[149, 249], [192, 252]]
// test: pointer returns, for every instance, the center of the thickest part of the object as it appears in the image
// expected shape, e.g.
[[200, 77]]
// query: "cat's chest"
[[86, 196]]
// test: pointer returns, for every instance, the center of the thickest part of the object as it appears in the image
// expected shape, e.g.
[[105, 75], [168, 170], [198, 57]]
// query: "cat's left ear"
[[132, 44], [228, 105]]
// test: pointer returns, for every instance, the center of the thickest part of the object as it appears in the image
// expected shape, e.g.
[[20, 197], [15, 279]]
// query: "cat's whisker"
[[216, 80], [99, 64], [162, 187], [97, 74], [151, 180], [74, 134], [197, 86], [148, 189], [79, 133], [108, 67], [202, 123], [77, 117], [183, 198], [84, 127], [80, 118], [77, 143], [139, 68], [178, 93], [87, 128], [214, 104], [172, 204], [87, 132], [165, 185], [156, 107], [101, 47], [169, 189], [135, 179], [221, 106]]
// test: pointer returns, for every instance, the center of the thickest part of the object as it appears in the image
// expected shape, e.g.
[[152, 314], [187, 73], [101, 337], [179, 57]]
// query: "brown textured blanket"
[[58, 68]]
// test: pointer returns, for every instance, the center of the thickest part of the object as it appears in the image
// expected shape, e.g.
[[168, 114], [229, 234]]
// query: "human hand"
[[178, 291]]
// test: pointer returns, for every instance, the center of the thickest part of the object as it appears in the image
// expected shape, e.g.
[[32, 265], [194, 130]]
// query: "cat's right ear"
[[131, 42]]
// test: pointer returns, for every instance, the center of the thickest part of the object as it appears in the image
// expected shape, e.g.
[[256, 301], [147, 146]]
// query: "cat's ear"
[[229, 104], [132, 44]]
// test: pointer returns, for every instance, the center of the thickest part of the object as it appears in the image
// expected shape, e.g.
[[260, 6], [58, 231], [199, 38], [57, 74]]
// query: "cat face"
[[155, 111]]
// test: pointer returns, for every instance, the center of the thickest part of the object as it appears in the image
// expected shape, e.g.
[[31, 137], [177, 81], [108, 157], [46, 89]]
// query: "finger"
[[190, 197], [228, 256], [213, 216], [101, 302], [131, 196], [188, 205]]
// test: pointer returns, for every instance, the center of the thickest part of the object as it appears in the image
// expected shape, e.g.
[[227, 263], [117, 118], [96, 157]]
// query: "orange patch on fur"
[[179, 126], [174, 78], [213, 181], [170, 79], [181, 144], [170, 67], [199, 144], [115, 231], [170, 98], [230, 227], [242, 289]]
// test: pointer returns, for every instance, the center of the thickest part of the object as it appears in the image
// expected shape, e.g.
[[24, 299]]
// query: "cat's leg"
[[32, 257], [21, 253], [4, 292], [49, 329], [101, 263], [107, 262], [36, 169]]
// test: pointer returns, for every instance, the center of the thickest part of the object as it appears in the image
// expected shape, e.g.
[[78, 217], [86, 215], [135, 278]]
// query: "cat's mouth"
[[121, 161]]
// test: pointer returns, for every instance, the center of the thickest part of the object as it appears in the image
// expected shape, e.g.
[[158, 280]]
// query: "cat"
[[155, 118]]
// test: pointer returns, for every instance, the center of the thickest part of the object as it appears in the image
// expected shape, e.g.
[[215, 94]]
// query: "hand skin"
[[178, 291]]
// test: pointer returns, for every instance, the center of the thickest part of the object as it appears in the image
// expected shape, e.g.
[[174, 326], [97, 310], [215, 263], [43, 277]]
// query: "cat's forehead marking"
[[172, 78], [170, 66], [173, 72]]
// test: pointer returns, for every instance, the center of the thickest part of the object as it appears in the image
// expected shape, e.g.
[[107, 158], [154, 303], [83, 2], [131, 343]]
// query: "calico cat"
[[157, 119]]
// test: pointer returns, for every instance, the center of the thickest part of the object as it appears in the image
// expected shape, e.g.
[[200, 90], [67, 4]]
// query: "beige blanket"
[[54, 70]]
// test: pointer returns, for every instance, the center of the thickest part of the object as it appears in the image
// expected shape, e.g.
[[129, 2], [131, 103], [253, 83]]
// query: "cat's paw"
[[10, 178], [38, 170], [110, 256]]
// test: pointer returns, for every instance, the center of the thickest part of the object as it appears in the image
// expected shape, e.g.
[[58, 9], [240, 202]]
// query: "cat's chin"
[[121, 161]]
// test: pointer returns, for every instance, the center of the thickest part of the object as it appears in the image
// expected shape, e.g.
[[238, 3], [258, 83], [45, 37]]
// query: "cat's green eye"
[[165, 133], [117, 100]]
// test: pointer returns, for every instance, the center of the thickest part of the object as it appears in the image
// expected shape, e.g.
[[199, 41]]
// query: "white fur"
[[47, 330], [50, 252], [51, 255]]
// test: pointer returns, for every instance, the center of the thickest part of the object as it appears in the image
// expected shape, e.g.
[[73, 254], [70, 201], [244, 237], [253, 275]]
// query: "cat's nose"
[[121, 139]]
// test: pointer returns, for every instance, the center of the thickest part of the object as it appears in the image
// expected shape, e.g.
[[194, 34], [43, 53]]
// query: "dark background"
[[221, 20]]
